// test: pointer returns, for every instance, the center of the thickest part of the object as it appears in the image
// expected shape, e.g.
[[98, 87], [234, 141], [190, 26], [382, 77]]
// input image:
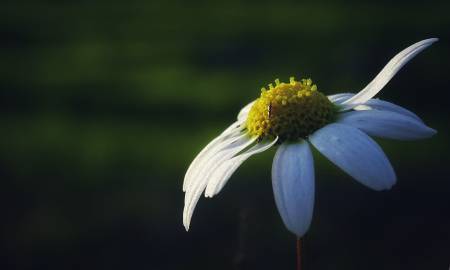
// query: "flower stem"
[[299, 253]]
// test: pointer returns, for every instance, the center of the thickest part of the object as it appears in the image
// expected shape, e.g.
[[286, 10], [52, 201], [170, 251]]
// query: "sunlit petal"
[[227, 137], [200, 177], [222, 174], [389, 71], [339, 98]]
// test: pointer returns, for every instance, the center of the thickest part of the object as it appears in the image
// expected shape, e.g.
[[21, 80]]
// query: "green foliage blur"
[[105, 103]]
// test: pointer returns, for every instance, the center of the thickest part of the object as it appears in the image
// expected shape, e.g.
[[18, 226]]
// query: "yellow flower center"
[[290, 111]]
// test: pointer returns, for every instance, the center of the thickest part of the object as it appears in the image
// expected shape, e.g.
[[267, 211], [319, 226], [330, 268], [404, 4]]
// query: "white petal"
[[232, 131], [201, 176], [244, 111], [387, 124], [293, 185], [355, 153], [225, 146], [339, 98], [389, 71], [221, 176], [206, 155]]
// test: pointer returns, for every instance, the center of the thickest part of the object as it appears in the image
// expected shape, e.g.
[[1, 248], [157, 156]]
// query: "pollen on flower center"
[[290, 111]]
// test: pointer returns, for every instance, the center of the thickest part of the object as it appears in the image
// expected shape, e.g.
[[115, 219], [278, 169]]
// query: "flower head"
[[289, 111], [295, 115]]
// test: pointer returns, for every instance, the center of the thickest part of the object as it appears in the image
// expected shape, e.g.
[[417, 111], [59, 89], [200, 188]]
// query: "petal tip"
[[428, 132], [432, 131], [393, 181], [186, 224], [391, 185], [426, 42], [385, 187]]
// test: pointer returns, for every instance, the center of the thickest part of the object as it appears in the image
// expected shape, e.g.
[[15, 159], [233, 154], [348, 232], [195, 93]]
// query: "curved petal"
[[230, 134], [339, 98], [200, 177], [220, 176], [387, 124], [355, 153], [293, 185], [389, 71], [225, 146]]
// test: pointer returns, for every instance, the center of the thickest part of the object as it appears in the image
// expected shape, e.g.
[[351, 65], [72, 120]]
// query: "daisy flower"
[[294, 116]]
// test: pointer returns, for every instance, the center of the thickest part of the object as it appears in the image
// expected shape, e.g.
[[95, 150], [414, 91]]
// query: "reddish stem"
[[299, 253]]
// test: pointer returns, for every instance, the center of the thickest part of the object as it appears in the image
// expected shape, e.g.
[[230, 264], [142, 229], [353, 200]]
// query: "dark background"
[[103, 105]]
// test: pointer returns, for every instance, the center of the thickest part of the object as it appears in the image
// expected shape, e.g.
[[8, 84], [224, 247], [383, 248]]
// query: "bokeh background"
[[103, 105]]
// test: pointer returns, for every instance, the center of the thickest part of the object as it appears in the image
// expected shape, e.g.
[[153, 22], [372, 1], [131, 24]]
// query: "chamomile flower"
[[296, 115]]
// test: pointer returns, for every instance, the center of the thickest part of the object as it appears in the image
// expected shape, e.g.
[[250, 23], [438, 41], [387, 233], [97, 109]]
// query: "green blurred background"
[[104, 104]]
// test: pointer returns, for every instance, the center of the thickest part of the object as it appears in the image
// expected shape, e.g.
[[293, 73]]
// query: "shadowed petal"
[[372, 104], [355, 153], [293, 185], [387, 124], [389, 71], [378, 104]]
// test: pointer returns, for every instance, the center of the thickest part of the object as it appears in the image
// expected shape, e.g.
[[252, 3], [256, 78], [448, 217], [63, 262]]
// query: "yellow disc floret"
[[290, 111]]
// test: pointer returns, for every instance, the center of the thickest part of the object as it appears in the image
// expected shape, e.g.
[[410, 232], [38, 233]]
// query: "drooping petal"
[[233, 131], [221, 175], [224, 147], [210, 155], [386, 124], [355, 153], [293, 185], [389, 71], [201, 176]]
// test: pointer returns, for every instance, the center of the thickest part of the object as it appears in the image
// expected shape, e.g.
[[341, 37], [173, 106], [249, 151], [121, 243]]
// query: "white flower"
[[296, 115]]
